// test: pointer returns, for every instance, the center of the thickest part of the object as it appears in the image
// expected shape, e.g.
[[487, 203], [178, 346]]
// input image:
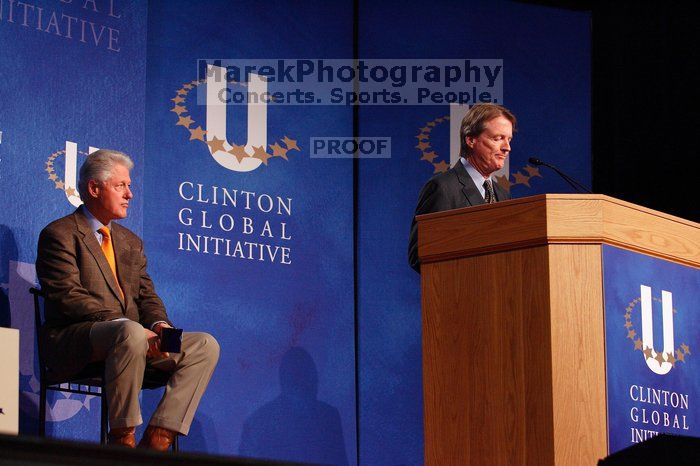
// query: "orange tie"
[[108, 249]]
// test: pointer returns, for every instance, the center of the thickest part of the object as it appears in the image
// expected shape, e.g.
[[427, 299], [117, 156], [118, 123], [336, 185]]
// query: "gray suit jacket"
[[452, 189], [80, 288]]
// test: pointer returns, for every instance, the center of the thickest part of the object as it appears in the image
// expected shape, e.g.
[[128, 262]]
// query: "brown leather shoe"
[[157, 438], [124, 436]]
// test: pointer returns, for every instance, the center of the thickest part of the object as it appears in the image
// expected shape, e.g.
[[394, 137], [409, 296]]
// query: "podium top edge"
[[544, 199]]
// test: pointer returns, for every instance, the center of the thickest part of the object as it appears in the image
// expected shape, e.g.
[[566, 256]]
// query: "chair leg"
[[176, 443], [103, 417], [42, 409]]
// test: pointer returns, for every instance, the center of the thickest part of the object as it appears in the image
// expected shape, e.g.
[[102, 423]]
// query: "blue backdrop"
[[273, 319], [545, 55], [125, 75]]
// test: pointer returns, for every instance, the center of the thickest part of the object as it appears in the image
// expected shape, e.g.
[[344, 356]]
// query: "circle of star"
[[279, 149], [679, 354], [428, 154], [54, 178]]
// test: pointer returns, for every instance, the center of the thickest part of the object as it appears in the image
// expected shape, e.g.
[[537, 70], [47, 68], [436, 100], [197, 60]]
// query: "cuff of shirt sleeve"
[[156, 323]]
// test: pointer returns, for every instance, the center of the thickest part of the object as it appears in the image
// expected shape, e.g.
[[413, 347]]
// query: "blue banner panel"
[[652, 329], [544, 59], [248, 237], [71, 80]]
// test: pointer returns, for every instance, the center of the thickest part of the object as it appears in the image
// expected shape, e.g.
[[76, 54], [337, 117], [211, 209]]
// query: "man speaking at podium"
[[485, 136], [101, 305]]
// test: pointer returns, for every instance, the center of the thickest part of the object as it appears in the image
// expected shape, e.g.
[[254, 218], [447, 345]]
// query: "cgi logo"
[[443, 132], [70, 172], [239, 158], [660, 362]]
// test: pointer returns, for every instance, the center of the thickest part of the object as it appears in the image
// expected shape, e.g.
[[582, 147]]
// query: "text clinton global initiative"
[[234, 223]]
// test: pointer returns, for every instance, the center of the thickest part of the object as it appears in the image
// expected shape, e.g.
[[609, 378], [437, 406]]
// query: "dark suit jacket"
[[80, 288], [452, 189]]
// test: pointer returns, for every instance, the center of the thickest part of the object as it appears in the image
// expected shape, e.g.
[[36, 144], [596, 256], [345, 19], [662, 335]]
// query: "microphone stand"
[[574, 184]]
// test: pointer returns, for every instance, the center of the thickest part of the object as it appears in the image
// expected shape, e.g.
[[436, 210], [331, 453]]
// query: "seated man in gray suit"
[[485, 136], [101, 305]]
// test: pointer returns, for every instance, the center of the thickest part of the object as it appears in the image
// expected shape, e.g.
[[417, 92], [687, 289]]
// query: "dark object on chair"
[[171, 340], [87, 382]]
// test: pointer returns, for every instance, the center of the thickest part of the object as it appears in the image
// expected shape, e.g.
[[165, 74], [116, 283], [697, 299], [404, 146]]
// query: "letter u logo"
[[657, 366], [71, 171], [216, 119]]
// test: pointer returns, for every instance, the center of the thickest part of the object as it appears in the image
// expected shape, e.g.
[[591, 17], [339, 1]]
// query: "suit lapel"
[[121, 253], [469, 189], [95, 249], [501, 193]]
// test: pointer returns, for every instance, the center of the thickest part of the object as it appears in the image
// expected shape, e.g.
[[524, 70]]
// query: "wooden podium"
[[513, 324]]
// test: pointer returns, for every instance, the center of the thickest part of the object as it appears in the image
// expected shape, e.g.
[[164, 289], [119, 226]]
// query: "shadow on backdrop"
[[8, 252], [295, 426], [202, 436]]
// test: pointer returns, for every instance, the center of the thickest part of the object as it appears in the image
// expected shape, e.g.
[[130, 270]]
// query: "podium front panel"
[[652, 324]]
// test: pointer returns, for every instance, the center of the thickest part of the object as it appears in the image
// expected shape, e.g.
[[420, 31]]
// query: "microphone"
[[575, 184]]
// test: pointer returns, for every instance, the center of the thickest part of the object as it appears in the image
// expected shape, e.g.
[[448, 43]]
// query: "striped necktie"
[[489, 195]]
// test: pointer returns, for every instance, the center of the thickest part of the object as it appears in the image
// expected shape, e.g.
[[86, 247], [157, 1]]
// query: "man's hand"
[[154, 351], [159, 326]]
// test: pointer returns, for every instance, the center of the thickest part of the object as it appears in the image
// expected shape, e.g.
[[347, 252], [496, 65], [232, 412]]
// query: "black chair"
[[90, 381]]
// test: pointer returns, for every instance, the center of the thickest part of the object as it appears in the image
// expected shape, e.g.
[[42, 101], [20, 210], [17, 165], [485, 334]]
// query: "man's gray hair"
[[98, 166]]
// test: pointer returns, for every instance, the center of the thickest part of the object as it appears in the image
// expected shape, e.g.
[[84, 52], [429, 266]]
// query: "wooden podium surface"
[[513, 324]]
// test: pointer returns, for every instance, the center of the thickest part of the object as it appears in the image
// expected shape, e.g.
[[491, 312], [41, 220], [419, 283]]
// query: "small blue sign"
[[652, 329]]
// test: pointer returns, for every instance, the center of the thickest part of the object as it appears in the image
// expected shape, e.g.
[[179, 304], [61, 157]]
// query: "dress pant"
[[122, 345]]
